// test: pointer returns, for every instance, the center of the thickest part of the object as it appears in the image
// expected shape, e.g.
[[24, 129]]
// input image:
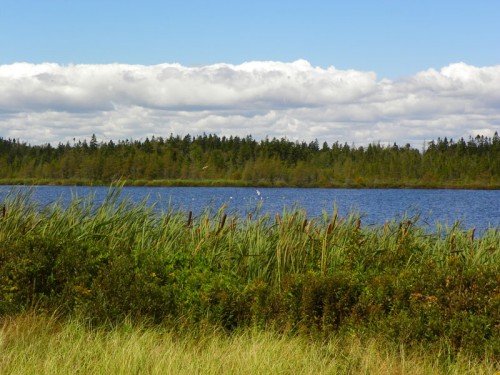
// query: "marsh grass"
[[37, 344], [286, 273]]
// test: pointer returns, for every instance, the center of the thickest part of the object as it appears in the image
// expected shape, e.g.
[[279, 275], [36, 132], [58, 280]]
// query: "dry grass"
[[31, 344]]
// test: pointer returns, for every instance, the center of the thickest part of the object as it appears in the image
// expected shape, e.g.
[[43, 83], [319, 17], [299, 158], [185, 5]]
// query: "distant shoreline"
[[238, 183]]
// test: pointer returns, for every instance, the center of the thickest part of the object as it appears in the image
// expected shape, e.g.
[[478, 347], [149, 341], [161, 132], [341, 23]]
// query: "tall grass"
[[33, 344], [287, 273]]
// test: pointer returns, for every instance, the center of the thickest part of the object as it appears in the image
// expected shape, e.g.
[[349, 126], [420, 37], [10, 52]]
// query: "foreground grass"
[[35, 344]]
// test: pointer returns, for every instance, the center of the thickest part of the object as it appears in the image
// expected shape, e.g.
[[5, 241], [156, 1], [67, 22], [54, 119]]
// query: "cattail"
[[190, 216], [278, 218], [472, 234], [329, 228], [405, 230], [222, 222], [167, 219]]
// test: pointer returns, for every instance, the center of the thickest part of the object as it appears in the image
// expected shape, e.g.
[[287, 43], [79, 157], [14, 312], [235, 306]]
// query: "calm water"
[[473, 208]]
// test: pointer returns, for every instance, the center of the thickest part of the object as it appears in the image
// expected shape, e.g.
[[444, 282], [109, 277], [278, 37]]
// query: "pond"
[[472, 208]]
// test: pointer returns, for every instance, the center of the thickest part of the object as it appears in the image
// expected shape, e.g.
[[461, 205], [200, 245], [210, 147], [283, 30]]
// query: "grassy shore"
[[414, 184], [434, 295], [34, 344]]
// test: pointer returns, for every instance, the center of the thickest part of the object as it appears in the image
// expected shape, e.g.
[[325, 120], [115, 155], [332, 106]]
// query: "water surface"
[[472, 208]]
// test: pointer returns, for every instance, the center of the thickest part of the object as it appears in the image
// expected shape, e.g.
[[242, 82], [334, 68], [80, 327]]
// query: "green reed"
[[285, 271]]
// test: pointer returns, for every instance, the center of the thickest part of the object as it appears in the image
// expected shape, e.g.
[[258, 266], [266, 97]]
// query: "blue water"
[[472, 208]]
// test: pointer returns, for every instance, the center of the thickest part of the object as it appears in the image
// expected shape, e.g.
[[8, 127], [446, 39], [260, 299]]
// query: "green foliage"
[[330, 274], [214, 161]]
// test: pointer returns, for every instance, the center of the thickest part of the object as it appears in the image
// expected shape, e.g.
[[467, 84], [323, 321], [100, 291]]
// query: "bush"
[[116, 260]]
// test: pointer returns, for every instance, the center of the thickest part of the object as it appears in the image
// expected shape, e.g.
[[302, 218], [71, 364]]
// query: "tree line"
[[243, 160]]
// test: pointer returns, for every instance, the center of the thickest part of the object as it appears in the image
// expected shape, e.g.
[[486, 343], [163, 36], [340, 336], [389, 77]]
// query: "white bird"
[[258, 193]]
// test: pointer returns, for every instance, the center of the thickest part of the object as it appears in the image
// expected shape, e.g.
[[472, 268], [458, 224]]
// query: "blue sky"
[[392, 38], [396, 40]]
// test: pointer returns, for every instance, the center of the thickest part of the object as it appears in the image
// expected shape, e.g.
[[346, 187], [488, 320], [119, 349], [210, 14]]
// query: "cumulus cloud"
[[53, 103]]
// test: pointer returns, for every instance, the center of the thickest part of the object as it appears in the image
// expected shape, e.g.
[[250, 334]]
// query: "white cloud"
[[53, 103]]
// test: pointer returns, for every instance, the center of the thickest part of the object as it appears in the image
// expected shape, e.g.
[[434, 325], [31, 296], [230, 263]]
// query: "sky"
[[354, 71]]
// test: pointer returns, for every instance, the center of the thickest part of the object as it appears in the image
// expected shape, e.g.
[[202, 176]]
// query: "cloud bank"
[[51, 103]]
